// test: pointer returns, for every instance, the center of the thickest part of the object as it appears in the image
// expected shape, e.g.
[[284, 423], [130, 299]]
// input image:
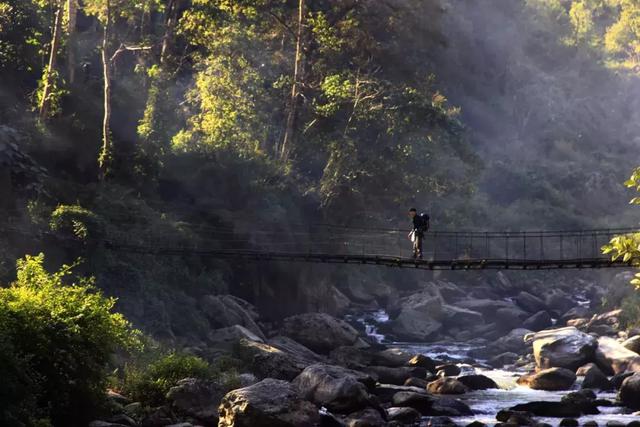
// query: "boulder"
[[595, 379], [549, 409], [563, 347], [575, 313], [454, 317], [632, 344], [196, 398], [420, 316], [418, 382], [584, 400], [403, 415], [530, 303], [477, 382], [319, 332], [296, 350], [450, 407], [539, 321], [266, 361], [368, 417], [421, 401], [338, 389], [502, 360], [448, 370], [224, 311], [422, 361], [392, 357], [617, 380], [507, 319], [558, 301], [549, 379], [486, 307], [582, 370], [513, 342], [396, 376], [629, 393], [352, 357], [226, 339], [268, 403], [446, 386], [613, 358]]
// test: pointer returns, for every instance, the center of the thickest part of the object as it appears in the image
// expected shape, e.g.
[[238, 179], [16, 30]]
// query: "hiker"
[[420, 226]]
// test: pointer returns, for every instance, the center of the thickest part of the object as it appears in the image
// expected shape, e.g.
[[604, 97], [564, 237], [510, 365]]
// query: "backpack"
[[425, 220]]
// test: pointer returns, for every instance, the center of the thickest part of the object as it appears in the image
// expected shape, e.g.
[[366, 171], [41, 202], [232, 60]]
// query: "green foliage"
[[148, 381], [77, 221], [62, 337]]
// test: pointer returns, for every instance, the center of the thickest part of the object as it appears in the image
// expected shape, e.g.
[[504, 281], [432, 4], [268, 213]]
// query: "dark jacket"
[[421, 223]]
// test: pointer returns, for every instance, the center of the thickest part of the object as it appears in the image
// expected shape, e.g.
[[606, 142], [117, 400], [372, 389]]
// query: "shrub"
[[61, 338], [149, 384]]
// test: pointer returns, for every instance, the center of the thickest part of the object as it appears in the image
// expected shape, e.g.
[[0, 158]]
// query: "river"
[[486, 403]]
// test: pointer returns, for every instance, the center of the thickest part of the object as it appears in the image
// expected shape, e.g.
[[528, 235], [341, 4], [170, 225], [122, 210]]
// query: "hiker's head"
[[413, 212]]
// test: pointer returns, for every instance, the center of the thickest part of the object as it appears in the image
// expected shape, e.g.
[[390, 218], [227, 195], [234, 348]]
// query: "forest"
[[197, 123]]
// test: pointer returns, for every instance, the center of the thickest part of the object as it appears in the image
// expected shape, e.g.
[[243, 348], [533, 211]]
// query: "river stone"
[[418, 382], [559, 301], [223, 311], [539, 321], [585, 400], [296, 350], [549, 409], [616, 380], [595, 379], [486, 307], [632, 344], [351, 357], [403, 415], [392, 357], [419, 401], [319, 332], [196, 398], [529, 303], [450, 407], [269, 403], [477, 382], [549, 379], [226, 339], [502, 360], [613, 358], [460, 317], [368, 417], [629, 393], [446, 386], [507, 319], [396, 376], [420, 316], [563, 347], [422, 361], [338, 389], [266, 361], [448, 370]]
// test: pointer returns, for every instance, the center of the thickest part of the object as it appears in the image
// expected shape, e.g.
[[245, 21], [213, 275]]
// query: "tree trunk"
[[289, 133], [106, 153], [72, 11], [45, 102], [170, 24]]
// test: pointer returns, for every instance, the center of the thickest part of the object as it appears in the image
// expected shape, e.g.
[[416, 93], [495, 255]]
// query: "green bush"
[[149, 384], [58, 340], [77, 221]]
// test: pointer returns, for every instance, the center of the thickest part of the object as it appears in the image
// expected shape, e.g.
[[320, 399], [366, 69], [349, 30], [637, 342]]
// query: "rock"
[[366, 418], [503, 359], [617, 380], [476, 424], [575, 313], [396, 376], [417, 382], [512, 342], [338, 389], [507, 319], [530, 303], [549, 409], [296, 350], [196, 398], [582, 370], [419, 317], [602, 330], [629, 393], [226, 339], [451, 292], [124, 419], [266, 404], [559, 301], [563, 347], [337, 302], [266, 361], [539, 321], [319, 332], [613, 358], [385, 392], [477, 382], [403, 415], [450, 407], [422, 361], [421, 402], [584, 400], [632, 344], [486, 307], [352, 357], [99, 423], [569, 422], [161, 416], [448, 370], [460, 317], [441, 422], [392, 357], [596, 380], [447, 386], [549, 379], [224, 311]]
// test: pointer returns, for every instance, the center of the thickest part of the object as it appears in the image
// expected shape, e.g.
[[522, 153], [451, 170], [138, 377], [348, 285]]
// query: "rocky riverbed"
[[439, 355]]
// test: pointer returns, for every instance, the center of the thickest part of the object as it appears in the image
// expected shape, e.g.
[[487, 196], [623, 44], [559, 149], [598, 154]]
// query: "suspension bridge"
[[450, 250]]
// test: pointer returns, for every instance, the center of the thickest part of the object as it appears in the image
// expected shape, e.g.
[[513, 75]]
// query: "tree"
[[51, 72], [622, 39]]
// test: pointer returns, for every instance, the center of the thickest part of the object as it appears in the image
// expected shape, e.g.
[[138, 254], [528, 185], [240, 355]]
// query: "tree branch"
[[125, 48]]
